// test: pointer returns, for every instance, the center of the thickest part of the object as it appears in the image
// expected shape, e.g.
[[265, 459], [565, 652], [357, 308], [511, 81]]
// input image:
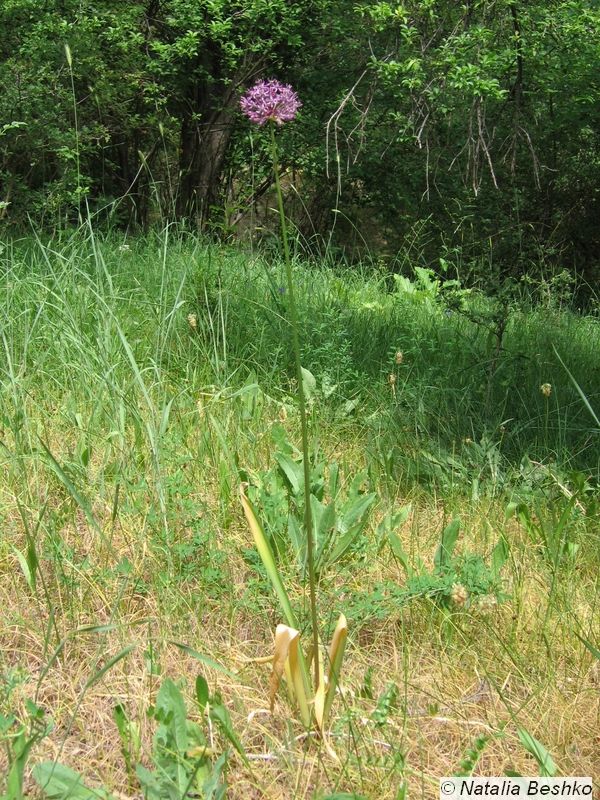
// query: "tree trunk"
[[202, 154]]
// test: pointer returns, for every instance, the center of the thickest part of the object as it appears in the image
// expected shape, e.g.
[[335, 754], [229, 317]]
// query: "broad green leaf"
[[21, 747], [447, 544], [202, 693], [344, 796], [548, 768], [149, 783], [334, 479], [296, 538], [399, 552], [350, 526], [25, 568], [386, 531], [264, 550], [129, 733], [164, 420], [214, 786], [309, 383], [170, 710], [293, 471], [355, 509], [170, 702], [62, 783], [220, 715], [323, 524], [344, 543], [499, 556]]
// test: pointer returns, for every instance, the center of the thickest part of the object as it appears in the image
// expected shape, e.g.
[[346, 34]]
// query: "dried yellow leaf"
[[284, 636]]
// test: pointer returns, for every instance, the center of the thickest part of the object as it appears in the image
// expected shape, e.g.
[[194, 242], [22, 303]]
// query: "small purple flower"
[[270, 100]]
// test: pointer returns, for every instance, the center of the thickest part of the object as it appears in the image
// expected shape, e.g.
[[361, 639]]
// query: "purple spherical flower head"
[[270, 100]]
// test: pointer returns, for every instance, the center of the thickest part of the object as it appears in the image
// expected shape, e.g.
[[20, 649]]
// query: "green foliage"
[[175, 735], [386, 704], [181, 758], [145, 439], [595, 651], [443, 555], [472, 756], [547, 767], [458, 581], [129, 735], [459, 138], [59, 782], [107, 126], [454, 392], [553, 531], [428, 290], [19, 738], [481, 90], [340, 512], [342, 796]]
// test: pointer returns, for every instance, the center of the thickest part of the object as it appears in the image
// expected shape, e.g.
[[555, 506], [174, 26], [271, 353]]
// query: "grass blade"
[[589, 646], [75, 494], [206, 660], [580, 391], [109, 665]]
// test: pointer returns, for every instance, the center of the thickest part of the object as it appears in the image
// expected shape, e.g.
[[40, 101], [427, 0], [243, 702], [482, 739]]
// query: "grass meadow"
[[142, 380]]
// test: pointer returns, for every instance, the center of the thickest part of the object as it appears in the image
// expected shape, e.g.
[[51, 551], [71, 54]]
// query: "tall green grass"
[[107, 321]]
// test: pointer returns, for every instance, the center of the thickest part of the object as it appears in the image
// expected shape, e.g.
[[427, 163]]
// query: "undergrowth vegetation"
[[454, 487]]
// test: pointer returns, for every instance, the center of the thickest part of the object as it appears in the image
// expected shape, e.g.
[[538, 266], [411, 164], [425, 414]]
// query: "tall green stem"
[[308, 526]]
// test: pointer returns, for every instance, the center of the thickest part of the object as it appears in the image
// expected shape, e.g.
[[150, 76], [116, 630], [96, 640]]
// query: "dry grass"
[[476, 673]]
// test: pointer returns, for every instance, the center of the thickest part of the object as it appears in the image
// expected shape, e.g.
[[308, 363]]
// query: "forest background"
[[464, 136]]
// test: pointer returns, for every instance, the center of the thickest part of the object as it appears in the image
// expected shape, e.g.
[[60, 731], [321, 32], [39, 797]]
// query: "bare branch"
[[334, 119]]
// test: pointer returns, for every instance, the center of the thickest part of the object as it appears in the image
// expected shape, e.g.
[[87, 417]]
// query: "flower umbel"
[[270, 100], [459, 594]]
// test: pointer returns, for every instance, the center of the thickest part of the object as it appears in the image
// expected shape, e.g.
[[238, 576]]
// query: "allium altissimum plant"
[[273, 103]]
